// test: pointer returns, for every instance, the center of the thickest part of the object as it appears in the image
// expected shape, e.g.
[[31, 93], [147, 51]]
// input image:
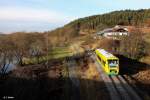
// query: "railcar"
[[108, 61]]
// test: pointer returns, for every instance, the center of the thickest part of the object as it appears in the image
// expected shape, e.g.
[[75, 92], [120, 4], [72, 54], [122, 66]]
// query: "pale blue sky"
[[44, 15]]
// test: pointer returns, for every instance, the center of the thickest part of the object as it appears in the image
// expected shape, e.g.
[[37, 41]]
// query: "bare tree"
[[133, 45], [6, 53], [21, 44], [37, 49]]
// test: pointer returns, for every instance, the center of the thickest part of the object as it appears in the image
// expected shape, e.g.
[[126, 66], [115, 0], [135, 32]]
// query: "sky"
[[45, 15]]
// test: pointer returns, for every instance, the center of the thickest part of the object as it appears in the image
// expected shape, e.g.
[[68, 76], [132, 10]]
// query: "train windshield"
[[113, 63]]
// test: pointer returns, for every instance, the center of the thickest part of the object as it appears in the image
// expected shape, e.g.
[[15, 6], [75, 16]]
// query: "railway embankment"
[[137, 74]]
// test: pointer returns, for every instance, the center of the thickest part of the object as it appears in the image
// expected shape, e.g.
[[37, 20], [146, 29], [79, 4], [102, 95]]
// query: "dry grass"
[[146, 60], [91, 72], [143, 76], [91, 85], [76, 48]]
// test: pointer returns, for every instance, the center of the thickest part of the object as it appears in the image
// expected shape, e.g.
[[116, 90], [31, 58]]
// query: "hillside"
[[61, 64], [96, 23]]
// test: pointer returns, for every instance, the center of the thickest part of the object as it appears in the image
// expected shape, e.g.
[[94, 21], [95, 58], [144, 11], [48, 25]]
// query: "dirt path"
[[75, 86]]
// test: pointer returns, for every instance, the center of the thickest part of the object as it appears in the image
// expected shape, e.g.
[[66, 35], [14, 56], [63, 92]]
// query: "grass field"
[[59, 52]]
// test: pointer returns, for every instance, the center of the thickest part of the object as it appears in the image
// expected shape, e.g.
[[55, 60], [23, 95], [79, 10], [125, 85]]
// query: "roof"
[[105, 53], [107, 30], [114, 29]]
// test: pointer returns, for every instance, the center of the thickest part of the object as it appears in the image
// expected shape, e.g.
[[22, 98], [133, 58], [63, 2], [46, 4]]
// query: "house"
[[114, 32]]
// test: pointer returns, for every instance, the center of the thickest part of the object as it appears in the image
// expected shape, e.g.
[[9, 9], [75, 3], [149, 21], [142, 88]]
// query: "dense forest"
[[96, 23]]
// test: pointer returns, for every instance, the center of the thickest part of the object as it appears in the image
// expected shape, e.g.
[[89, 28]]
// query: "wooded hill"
[[36, 45], [96, 23]]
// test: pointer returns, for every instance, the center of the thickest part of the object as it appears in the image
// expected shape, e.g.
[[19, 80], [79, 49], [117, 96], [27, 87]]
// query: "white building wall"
[[115, 34]]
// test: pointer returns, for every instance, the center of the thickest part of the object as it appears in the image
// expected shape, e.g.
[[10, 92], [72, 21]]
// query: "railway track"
[[118, 88]]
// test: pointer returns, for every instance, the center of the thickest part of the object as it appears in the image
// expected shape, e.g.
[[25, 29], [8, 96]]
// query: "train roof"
[[106, 54]]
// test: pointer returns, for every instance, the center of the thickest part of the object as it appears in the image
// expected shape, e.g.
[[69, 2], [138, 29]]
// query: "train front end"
[[113, 66]]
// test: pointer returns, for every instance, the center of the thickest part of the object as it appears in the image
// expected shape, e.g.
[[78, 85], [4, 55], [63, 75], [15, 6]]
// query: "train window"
[[113, 62]]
